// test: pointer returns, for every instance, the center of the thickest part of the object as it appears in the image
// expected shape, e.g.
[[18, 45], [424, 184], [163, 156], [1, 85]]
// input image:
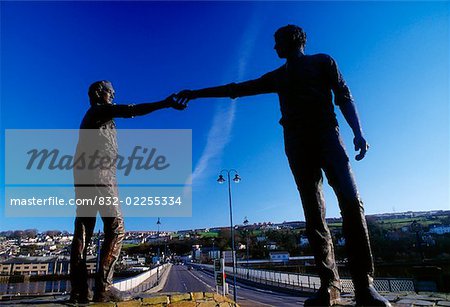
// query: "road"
[[181, 279]]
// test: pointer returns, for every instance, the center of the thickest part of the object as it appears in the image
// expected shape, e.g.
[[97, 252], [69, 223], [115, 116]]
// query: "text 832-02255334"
[[141, 201]]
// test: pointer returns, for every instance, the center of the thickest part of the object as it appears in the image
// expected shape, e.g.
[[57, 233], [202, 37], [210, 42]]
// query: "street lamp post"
[[247, 243], [221, 180], [158, 223], [97, 268], [417, 228]]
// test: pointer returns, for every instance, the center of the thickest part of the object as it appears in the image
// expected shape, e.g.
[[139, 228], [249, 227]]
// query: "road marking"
[[249, 300], [261, 290], [280, 301], [212, 288], [185, 287]]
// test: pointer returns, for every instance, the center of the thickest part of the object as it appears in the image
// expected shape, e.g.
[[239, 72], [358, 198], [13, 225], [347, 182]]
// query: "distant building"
[[340, 241], [206, 253], [196, 252], [271, 246], [155, 239], [303, 241], [156, 259], [303, 260], [214, 254], [439, 229], [228, 256], [129, 261], [41, 266], [134, 241], [428, 240], [261, 238], [279, 256], [184, 259]]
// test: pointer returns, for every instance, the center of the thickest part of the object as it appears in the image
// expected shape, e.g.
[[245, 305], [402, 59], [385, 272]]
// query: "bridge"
[[184, 284]]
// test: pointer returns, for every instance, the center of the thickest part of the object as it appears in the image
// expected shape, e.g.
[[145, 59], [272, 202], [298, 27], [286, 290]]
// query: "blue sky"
[[393, 55]]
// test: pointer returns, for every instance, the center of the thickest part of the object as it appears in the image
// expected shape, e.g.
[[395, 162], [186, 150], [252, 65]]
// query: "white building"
[[440, 230], [304, 241], [228, 256], [279, 256]]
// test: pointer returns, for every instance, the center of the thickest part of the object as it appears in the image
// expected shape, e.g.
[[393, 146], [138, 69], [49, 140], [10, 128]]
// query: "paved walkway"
[[408, 299], [397, 300]]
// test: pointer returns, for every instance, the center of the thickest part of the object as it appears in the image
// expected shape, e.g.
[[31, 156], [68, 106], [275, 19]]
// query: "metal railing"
[[143, 281], [137, 284], [311, 282]]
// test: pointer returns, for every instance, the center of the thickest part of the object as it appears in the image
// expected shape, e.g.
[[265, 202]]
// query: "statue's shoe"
[[368, 296], [108, 296], [326, 296]]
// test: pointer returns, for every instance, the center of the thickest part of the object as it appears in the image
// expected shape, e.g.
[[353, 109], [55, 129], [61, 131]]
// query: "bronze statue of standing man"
[[94, 182], [305, 85]]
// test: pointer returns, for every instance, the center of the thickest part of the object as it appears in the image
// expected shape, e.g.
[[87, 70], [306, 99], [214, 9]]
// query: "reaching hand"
[[361, 145], [184, 96], [174, 102]]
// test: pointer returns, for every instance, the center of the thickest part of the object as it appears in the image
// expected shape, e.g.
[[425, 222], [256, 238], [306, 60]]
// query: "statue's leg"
[[114, 233], [305, 167], [340, 177], [84, 227]]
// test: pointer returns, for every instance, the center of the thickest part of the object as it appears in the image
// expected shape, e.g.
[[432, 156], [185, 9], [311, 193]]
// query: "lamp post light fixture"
[[221, 180]]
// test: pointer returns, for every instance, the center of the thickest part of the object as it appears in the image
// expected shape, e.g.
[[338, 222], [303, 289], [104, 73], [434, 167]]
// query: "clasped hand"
[[176, 102], [180, 100]]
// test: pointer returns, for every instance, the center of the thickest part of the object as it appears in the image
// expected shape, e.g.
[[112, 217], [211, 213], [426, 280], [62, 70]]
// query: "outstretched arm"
[[216, 91], [169, 102], [127, 111], [263, 85]]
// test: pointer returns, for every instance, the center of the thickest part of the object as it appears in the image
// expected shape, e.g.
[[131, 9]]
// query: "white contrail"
[[220, 133]]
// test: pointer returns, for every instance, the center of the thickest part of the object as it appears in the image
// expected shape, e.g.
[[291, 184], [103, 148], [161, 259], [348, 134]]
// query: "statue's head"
[[289, 39], [101, 92]]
